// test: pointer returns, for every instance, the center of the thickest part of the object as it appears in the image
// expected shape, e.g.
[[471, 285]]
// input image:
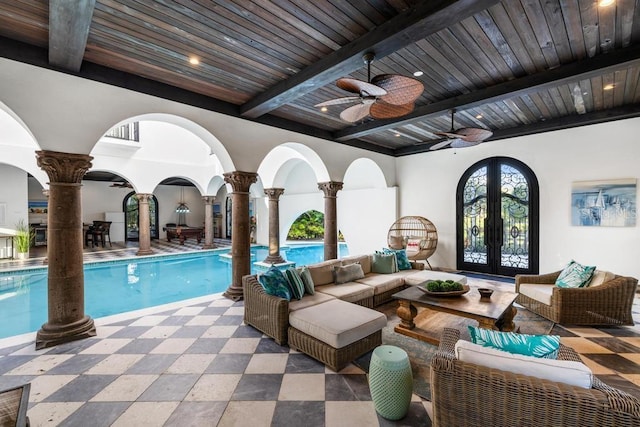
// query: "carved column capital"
[[330, 188], [208, 200], [143, 197], [274, 193], [240, 181], [45, 193], [66, 168]]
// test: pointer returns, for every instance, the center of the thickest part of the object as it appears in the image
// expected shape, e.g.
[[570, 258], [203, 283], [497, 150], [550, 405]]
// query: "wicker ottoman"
[[390, 381]]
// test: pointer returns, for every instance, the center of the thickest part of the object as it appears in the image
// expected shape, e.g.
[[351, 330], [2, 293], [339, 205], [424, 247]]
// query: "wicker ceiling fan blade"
[[441, 144], [356, 113], [400, 89], [338, 101], [382, 110], [473, 134], [461, 143], [361, 87]]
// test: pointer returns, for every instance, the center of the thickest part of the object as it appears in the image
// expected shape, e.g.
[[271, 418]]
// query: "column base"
[[274, 259], [144, 252], [52, 335], [235, 293]]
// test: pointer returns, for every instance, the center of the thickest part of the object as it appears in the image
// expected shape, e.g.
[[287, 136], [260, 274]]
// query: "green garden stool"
[[390, 381]]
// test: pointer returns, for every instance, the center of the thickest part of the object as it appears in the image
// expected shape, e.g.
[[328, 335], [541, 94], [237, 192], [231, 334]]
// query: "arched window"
[[497, 218], [131, 208]]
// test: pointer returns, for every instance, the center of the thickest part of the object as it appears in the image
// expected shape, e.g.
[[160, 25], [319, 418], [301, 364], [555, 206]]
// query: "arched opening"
[[131, 210], [497, 218], [309, 226]]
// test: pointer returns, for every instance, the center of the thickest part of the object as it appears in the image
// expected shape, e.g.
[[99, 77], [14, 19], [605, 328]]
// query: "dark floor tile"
[[8, 363], [416, 416], [96, 414], [267, 345], [11, 381], [559, 330], [140, 346], [615, 362], [8, 350], [190, 332], [299, 363], [620, 332], [130, 332], [169, 387], [196, 414], [229, 320], [616, 381], [81, 388], [213, 311], [176, 320], [616, 345], [258, 387], [73, 347], [347, 387], [207, 346], [153, 364], [298, 414], [77, 364], [229, 364], [244, 331]]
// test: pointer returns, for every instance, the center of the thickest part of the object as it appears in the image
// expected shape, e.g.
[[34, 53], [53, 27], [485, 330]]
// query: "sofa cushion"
[[350, 291], [295, 282], [309, 300], [575, 275], [384, 263], [528, 345], [422, 276], [305, 275], [401, 258], [275, 283], [347, 273], [337, 323], [363, 260], [322, 272], [382, 282], [538, 292], [600, 277], [563, 371]]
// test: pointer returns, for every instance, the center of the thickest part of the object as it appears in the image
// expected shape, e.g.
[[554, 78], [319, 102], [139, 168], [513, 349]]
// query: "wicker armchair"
[[607, 304], [465, 394], [13, 406]]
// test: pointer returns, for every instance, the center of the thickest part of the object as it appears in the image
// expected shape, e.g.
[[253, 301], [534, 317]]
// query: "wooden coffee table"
[[496, 312]]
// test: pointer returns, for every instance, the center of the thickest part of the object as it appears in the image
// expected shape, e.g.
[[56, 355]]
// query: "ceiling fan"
[[384, 97], [123, 184], [463, 137]]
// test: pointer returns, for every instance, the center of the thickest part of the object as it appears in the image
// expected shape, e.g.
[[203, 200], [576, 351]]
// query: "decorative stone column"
[[240, 230], [330, 190], [208, 222], [45, 261], [274, 226], [65, 286], [144, 224]]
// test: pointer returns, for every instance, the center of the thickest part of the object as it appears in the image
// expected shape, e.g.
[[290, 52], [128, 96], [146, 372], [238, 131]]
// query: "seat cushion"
[[309, 300], [322, 272], [382, 282], [538, 292], [350, 291], [419, 277], [337, 323]]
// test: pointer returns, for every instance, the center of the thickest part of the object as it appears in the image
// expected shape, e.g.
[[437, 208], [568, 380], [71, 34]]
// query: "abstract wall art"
[[607, 203]]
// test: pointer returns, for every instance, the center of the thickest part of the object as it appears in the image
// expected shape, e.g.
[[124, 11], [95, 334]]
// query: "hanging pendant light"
[[182, 206]]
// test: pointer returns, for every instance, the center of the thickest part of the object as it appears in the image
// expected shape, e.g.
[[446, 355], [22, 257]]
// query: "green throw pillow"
[[384, 263], [347, 273], [575, 275], [295, 283], [274, 283], [545, 346], [401, 258], [309, 286]]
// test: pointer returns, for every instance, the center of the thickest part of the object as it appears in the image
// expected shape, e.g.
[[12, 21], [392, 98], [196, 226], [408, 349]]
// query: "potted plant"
[[23, 239]]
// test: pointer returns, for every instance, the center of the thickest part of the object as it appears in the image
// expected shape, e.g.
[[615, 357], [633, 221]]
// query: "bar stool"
[[88, 237]]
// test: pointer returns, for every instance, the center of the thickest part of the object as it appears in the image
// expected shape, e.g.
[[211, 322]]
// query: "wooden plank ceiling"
[[514, 66]]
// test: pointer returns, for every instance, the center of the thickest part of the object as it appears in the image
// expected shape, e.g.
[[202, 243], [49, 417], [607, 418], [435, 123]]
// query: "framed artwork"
[[607, 203]]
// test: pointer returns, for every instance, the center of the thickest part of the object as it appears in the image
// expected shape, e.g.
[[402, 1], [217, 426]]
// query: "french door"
[[497, 218]]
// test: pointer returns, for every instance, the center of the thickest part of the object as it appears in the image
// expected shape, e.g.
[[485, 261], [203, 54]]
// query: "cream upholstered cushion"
[[600, 277], [363, 260], [322, 272], [309, 300], [562, 371], [382, 282], [337, 323], [350, 292], [538, 292], [421, 276]]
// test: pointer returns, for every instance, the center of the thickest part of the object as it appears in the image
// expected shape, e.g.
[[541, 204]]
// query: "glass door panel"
[[474, 217]]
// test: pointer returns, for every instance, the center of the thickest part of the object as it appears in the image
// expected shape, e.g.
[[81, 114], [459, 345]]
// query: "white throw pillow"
[[562, 371]]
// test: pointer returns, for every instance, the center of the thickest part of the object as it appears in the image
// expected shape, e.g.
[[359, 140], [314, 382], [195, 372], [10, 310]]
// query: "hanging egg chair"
[[416, 234]]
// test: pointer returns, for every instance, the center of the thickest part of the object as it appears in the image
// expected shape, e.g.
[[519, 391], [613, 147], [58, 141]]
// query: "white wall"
[[428, 183], [13, 195]]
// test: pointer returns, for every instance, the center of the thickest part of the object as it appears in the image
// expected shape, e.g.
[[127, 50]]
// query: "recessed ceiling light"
[[605, 3], [418, 73], [324, 109], [608, 87], [397, 135], [479, 116], [194, 61]]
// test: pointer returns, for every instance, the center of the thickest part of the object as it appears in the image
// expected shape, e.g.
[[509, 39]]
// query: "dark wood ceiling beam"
[[427, 17], [575, 71], [69, 22], [567, 122]]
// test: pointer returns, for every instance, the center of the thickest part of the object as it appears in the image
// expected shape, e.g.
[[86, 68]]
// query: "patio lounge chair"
[[13, 406]]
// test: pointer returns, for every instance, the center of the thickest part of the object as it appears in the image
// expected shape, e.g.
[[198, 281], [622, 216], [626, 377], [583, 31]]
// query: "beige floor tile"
[[214, 387], [115, 364], [149, 321], [30, 350], [634, 378], [349, 369], [220, 332], [191, 364], [234, 311], [202, 320], [146, 414], [106, 331], [254, 414], [302, 387], [45, 385], [222, 302], [583, 345], [241, 345], [634, 357], [107, 346], [588, 332], [40, 365], [429, 407], [631, 340], [188, 311], [345, 414], [51, 414], [267, 364], [173, 346], [160, 332], [595, 367], [126, 388]]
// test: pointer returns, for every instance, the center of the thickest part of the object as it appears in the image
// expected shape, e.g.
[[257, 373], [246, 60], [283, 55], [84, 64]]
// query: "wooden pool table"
[[183, 233]]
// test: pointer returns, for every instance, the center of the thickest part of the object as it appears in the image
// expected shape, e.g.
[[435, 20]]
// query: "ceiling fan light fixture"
[[193, 60], [605, 3]]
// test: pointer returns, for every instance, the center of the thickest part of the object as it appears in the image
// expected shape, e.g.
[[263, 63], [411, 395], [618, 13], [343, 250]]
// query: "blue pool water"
[[119, 286]]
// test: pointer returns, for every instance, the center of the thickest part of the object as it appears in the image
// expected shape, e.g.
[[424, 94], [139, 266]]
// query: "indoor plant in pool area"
[[23, 239]]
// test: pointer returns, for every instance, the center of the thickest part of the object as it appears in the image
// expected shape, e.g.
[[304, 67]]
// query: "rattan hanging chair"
[[416, 234]]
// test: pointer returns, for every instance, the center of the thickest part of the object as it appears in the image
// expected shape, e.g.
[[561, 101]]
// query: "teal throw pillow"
[[401, 258], [575, 275], [309, 286], [347, 273], [295, 283], [545, 346], [384, 263], [274, 283]]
